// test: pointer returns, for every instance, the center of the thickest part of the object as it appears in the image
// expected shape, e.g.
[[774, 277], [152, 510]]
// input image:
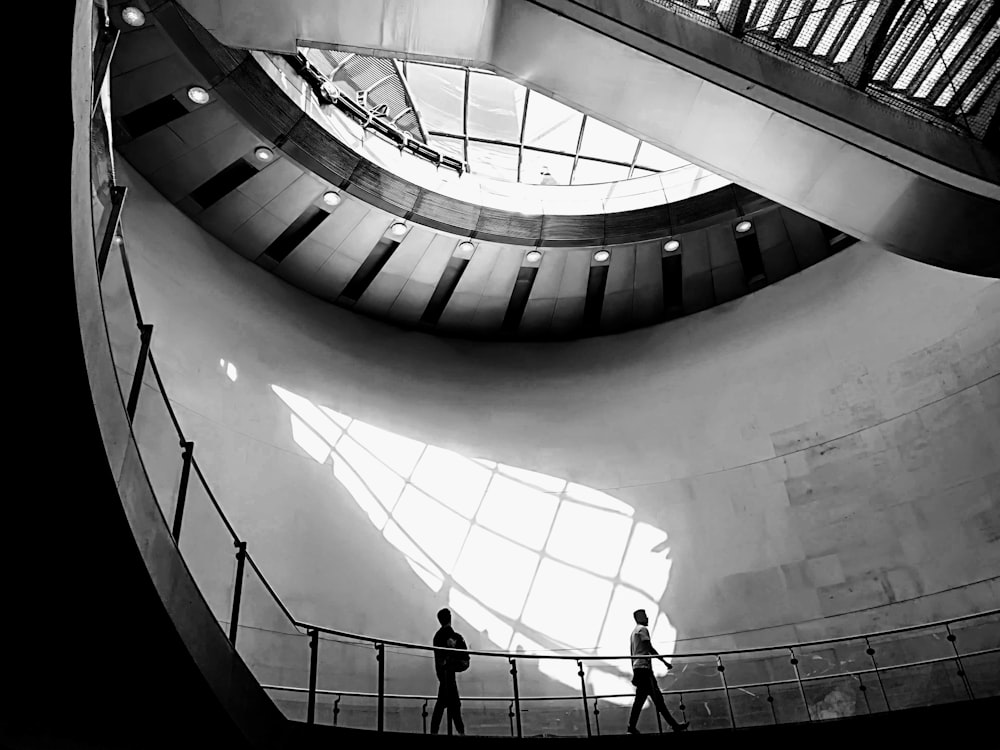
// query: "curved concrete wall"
[[819, 458]]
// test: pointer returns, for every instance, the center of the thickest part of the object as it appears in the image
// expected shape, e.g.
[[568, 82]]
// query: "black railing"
[[962, 653], [937, 61]]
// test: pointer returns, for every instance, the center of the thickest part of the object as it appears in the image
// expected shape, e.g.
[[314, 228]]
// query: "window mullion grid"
[[824, 24], [465, 122], [925, 29], [968, 49], [520, 142], [853, 19], [939, 47], [579, 143], [635, 158]]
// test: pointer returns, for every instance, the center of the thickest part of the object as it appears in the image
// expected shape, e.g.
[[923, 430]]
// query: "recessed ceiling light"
[[533, 256], [671, 245], [133, 16], [466, 247], [332, 198], [198, 95], [744, 226], [398, 229], [263, 153], [601, 255]]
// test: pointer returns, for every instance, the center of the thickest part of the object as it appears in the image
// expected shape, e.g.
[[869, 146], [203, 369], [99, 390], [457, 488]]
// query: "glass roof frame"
[[576, 154]]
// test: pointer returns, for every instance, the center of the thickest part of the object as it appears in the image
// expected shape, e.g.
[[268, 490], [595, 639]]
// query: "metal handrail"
[[685, 691], [688, 655]]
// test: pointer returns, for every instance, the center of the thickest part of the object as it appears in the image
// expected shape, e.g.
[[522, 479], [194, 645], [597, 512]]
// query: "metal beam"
[[734, 20], [860, 68]]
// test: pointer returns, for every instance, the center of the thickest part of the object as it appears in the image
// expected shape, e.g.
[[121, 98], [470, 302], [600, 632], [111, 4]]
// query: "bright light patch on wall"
[[647, 565], [436, 528], [517, 511], [341, 420], [566, 603], [598, 499], [561, 671], [605, 683], [421, 563], [543, 482], [309, 441], [619, 622], [529, 559], [502, 586], [384, 484], [398, 453], [230, 369], [349, 478], [318, 420], [480, 618], [452, 479], [576, 525]]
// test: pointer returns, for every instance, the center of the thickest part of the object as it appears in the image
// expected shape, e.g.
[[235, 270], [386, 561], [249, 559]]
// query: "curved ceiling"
[[740, 104], [407, 256]]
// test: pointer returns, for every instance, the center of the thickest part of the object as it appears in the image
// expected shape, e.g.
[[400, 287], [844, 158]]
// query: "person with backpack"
[[447, 664]]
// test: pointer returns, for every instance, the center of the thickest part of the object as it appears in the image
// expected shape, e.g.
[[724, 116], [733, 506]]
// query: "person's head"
[[640, 617], [444, 616]]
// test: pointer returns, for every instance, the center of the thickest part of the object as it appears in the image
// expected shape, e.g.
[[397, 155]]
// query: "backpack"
[[458, 662]]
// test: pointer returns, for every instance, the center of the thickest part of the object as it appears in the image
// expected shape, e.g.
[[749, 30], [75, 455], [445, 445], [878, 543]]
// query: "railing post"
[[510, 716], [958, 661], [234, 621], [313, 665], [517, 696], [187, 453], [871, 653], [725, 686], [597, 718], [864, 692], [770, 702], [794, 661], [110, 228], [145, 333], [583, 692], [380, 657], [336, 710], [106, 49], [423, 715]]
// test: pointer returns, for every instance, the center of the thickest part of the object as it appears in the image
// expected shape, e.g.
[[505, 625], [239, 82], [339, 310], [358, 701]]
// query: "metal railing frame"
[[243, 557]]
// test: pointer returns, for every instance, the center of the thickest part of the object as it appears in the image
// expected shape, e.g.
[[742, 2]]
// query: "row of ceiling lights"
[[135, 17]]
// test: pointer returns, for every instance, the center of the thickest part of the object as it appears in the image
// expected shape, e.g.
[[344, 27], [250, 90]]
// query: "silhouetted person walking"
[[446, 664], [643, 678]]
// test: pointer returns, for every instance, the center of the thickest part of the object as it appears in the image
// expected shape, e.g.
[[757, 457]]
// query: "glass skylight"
[[506, 132]]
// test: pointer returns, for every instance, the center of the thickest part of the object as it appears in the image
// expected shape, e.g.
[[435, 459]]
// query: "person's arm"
[[644, 635]]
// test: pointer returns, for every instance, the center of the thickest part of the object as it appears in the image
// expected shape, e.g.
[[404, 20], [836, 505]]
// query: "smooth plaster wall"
[[824, 454]]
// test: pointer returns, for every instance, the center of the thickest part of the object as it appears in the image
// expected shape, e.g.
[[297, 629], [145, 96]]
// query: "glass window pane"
[[540, 168], [607, 142], [496, 162], [448, 146], [651, 157], [589, 172], [639, 172], [551, 124], [439, 95], [495, 107]]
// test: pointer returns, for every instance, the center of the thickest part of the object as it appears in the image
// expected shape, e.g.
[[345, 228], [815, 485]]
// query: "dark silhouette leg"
[[661, 705], [641, 693], [439, 706], [455, 706]]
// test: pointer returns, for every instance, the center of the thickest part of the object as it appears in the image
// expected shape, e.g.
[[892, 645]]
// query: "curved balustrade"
[[955, 659]]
